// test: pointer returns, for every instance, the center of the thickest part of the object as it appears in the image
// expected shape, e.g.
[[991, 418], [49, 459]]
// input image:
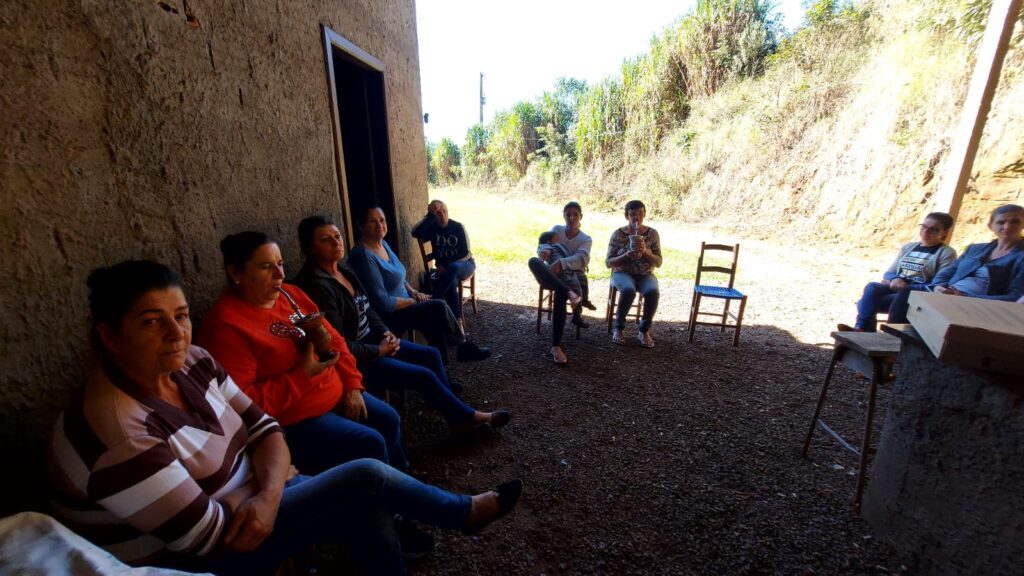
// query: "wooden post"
[[993, 49]]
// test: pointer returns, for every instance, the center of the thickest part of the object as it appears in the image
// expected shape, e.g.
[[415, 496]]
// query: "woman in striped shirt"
[[161, 459]]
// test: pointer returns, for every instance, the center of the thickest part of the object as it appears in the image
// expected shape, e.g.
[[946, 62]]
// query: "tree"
[[476, 162], [513, 139], [431, 174], [445, 162]]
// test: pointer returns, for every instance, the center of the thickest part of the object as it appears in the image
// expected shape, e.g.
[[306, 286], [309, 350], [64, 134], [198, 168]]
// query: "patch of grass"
[[504, 231]]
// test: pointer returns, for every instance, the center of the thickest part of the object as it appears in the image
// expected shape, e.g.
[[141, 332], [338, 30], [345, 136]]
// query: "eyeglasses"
[[931, 229]]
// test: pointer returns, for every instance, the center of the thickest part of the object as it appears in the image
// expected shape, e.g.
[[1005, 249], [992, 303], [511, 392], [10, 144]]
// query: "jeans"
[[446, 285], [548, 279], [320, 443], [628, 285], [901, 304], [434, 319], [352, 503], [417, 367], [877, 298]]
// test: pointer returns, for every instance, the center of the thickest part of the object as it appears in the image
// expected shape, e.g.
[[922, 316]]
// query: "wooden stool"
[[871, 354]]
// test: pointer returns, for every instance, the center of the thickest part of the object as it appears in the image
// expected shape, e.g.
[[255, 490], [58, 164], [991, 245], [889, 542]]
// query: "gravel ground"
[[683, 459]]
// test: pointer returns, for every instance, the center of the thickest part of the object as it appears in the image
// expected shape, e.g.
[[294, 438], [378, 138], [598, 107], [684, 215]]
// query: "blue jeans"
[[901, 304], [877, 298], [431, 317], [353, 503], [446, 285], [628, 285], [417, 367], [320, 443]]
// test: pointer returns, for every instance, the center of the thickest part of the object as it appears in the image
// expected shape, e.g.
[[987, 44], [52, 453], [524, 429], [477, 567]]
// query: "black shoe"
[[455, 385], [415, 542], [470, 352], [471, 428], [508, 496], [589, 305], [578, 321]]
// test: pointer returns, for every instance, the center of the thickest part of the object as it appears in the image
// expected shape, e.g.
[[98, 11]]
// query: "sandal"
[[575, 300], [558, 355], [645, 339]]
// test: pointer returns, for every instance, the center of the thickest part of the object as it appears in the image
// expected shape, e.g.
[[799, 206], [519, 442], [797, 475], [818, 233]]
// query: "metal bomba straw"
[[298, 315]]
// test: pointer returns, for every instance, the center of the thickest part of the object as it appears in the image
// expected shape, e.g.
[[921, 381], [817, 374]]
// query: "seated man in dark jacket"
[[451, 253]]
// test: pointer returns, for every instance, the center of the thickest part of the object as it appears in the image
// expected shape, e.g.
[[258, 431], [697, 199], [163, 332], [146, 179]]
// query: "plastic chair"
[[432, 276], [545, 303], [610, 309], [727, 293]]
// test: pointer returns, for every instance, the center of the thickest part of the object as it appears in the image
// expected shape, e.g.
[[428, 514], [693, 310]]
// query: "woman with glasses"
[[990, 270], [917, 263]]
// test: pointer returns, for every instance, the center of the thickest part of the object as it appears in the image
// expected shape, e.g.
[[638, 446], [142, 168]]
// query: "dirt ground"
[[683, 459]]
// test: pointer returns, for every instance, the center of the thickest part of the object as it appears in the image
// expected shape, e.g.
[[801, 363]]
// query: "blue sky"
[[522, 47]]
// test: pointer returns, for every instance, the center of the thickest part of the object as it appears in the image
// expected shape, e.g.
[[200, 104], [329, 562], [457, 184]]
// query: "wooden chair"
[[609, 314], [727, 293], [545, 303], [873, 355], [432, 273]]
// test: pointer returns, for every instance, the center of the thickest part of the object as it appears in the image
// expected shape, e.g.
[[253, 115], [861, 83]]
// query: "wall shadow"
[[683, 456]]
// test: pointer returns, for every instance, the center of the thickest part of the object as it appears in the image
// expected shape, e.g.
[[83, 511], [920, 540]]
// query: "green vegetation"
[[444, 162], [724, 116], [628, 117]]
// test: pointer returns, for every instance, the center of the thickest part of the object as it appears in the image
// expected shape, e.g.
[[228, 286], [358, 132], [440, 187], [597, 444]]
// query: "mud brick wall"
[[151, 130], [946, 484]]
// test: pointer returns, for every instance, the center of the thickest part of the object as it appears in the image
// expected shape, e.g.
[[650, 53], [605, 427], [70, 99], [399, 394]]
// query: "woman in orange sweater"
[[327, 416]]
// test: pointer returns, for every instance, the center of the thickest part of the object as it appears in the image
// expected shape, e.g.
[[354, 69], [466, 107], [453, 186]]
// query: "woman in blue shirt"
[[401, 306]]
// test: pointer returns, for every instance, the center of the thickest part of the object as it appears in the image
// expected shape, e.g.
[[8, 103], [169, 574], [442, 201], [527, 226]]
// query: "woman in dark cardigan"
[[384, 360]]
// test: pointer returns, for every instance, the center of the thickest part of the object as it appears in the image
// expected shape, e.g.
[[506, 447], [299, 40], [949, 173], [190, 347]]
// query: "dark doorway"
[[362, 150]]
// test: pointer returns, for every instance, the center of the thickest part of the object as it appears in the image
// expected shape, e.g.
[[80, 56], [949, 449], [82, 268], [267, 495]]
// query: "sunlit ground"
[[802, 288], [506, 230]]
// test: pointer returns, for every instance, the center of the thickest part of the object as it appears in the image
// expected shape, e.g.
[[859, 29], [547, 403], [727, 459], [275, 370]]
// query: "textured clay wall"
[[151, 130]]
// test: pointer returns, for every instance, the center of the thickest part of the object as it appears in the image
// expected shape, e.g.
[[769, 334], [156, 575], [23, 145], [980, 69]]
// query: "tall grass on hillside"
[[598, 130], [840, 131], [964, 19], [723, 40], [613, 122]]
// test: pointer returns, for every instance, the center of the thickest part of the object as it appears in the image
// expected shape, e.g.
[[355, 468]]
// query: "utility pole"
[[483, 100]]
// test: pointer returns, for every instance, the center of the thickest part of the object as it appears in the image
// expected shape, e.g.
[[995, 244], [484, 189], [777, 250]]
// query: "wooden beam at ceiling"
[[987, 69]]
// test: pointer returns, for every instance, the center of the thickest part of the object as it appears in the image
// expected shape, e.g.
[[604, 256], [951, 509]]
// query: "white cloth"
[[34, 543]]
